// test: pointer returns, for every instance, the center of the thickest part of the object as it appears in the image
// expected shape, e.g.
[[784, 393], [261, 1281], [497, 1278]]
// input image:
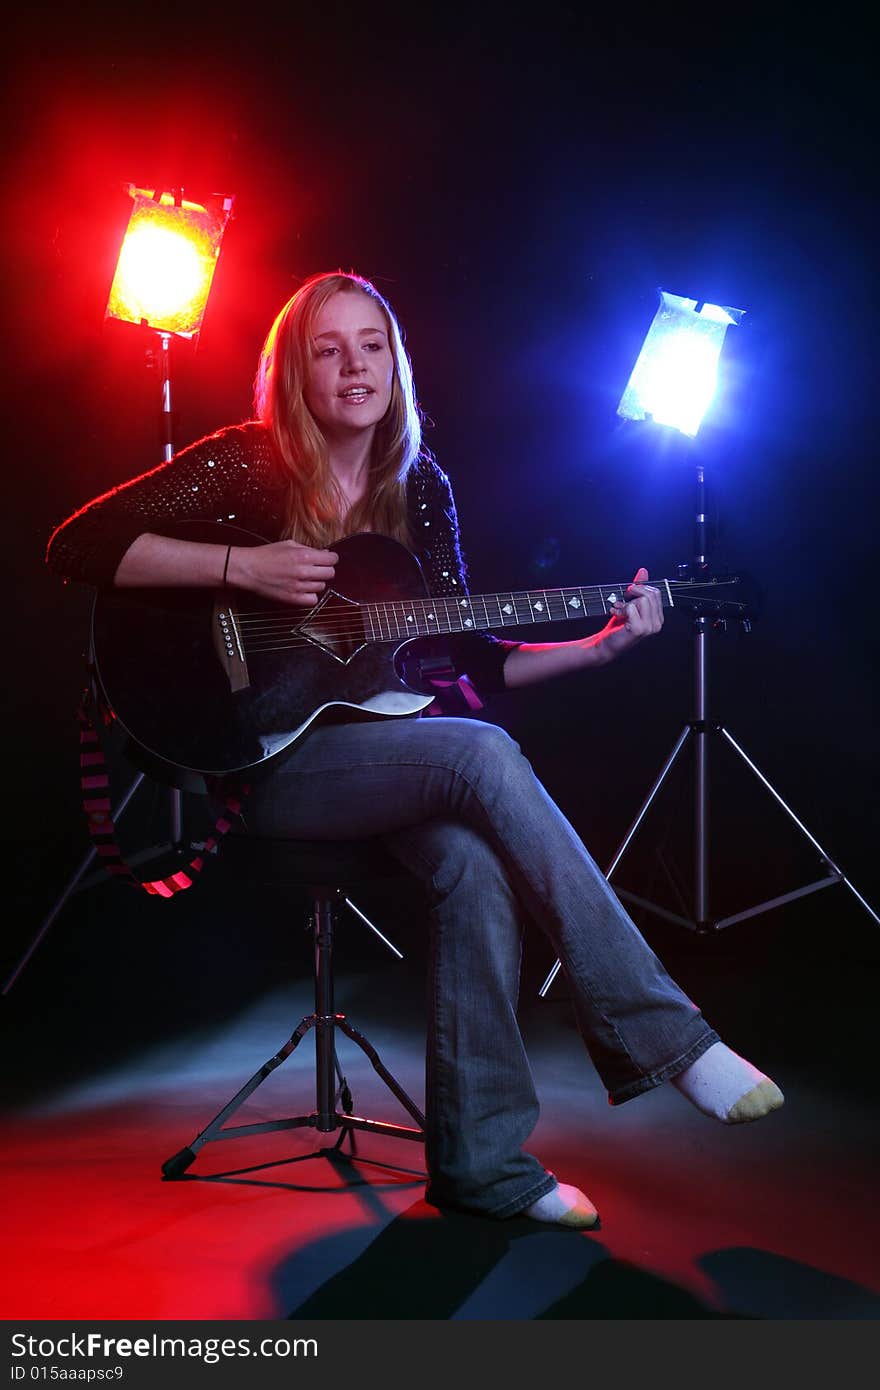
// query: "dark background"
[[520, 189]]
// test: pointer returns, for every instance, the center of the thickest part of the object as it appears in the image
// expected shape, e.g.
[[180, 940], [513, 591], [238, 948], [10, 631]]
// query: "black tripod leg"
[[630, 834], [175, 1166], [835, 876], [646, 804], [393, 1085], [59, 903]]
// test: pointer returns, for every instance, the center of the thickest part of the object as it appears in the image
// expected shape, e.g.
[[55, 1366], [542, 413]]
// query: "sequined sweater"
[[232, 477]]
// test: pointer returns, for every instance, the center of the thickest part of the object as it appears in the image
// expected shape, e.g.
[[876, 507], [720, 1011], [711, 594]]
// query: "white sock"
[[727, 1087], [563, 1205]]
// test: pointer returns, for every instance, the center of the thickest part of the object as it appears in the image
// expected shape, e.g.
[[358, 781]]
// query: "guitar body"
[[169, 661]]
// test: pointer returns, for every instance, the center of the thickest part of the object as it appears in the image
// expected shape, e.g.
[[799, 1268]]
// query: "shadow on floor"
[[425, 1264], [784, 1288]]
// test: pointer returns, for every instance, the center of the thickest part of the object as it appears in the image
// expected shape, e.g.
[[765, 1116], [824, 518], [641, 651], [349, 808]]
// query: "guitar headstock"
[[725, 596]]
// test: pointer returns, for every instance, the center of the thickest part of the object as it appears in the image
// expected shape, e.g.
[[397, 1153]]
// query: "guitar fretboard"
[[418, 617]]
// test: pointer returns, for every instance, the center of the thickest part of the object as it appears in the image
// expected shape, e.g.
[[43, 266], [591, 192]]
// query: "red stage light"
[[167, 261]]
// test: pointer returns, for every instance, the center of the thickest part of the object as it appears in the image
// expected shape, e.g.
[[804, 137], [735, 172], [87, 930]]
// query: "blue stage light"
[[676, 372]]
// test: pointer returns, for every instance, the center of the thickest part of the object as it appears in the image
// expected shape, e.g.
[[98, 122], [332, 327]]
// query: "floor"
[[125, 1036]]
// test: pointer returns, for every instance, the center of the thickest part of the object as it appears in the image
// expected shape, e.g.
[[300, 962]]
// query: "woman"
[[336, 449]]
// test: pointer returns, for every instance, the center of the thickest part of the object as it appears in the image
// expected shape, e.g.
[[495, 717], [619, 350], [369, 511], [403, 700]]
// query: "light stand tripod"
[[160, 359], [700, 729], [162, 280]]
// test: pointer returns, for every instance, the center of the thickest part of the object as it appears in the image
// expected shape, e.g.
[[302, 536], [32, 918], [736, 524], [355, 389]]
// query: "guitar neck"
[[418, 617]]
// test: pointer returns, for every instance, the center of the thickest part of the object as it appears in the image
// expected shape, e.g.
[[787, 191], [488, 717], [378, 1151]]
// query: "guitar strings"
[[254, 633], [680, 585]]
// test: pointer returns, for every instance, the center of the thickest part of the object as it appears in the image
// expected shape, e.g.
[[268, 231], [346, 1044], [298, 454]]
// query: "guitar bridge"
[[228, 645]]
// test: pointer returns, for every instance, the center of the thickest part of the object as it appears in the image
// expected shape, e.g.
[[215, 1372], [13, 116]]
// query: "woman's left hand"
[[639, 615]]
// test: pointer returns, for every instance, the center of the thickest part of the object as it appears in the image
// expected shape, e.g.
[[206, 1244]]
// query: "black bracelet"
[[226, 564]]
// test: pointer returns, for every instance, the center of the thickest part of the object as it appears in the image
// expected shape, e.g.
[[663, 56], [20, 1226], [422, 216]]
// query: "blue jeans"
[[460, 807]]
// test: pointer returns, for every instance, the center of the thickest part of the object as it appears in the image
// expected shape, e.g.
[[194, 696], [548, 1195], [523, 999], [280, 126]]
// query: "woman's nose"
[[353, 360]]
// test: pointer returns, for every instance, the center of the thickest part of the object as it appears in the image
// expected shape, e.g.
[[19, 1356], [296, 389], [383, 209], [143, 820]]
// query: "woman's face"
[[351, 369]]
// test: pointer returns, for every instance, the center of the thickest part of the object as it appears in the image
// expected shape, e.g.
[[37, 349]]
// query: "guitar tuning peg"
[[720, 624], [746, 624]]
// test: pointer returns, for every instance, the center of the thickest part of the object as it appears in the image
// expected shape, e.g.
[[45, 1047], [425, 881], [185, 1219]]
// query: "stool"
[[327, 870]]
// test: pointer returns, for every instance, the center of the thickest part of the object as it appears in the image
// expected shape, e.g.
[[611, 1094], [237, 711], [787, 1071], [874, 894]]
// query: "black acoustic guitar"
[[206, 684]]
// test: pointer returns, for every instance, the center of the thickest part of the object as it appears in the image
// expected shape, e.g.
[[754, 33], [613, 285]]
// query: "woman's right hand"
[[284, 570]]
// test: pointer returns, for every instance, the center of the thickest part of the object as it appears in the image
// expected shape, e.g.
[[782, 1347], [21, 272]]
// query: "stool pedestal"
[[327, 1117]]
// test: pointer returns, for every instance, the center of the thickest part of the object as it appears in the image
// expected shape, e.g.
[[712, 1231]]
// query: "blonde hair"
[[313, 497]]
